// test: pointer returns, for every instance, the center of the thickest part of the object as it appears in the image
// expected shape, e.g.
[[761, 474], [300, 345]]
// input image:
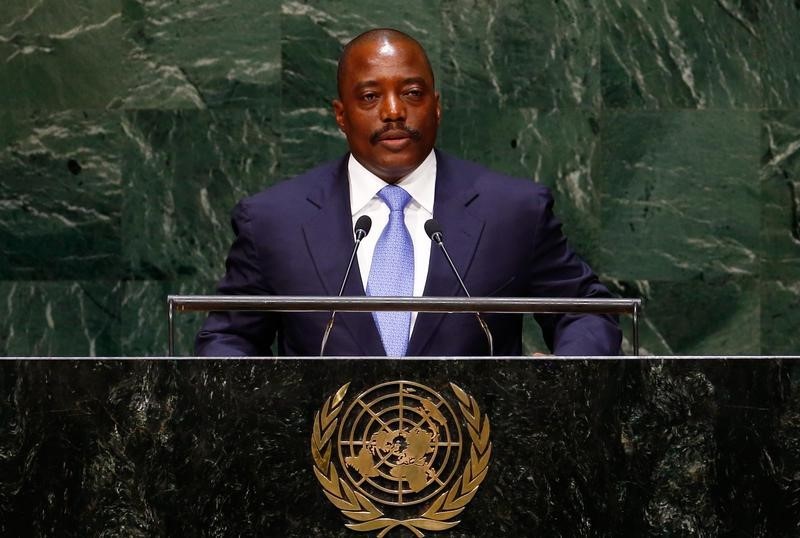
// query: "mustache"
[[412, 133]]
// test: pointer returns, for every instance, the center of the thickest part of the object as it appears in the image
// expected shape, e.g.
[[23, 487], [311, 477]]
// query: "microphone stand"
[[363, 224], [435, 233]]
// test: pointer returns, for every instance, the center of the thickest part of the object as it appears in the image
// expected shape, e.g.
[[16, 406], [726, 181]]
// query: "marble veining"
[[60, 196], [221, 447], [665, 54], [667, 131]]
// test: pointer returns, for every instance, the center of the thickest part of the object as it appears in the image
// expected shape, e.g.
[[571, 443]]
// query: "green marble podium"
[[222, 447]]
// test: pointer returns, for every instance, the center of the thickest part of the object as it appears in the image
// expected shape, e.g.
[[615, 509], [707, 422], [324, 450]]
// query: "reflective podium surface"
[[308, 447]]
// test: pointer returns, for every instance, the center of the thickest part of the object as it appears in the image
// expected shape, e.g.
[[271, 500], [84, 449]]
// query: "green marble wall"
[[668, 130]]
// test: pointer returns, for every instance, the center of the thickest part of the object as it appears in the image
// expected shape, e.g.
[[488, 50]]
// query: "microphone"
[[434, 231], [360, 231]]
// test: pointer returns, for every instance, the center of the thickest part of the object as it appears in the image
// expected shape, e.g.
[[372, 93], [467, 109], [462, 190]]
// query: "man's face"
[[388, 108]]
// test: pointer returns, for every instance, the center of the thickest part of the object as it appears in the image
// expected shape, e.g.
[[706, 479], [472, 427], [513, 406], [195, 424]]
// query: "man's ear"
[[438, 109], [338, 112]]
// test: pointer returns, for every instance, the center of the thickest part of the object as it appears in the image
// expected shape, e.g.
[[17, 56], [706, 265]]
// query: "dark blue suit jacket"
[[296, 237]]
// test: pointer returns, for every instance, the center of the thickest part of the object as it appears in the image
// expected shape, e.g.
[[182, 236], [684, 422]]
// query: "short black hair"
[[374, 35]]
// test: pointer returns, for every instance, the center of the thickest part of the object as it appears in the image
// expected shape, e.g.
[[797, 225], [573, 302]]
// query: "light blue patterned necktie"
[[392, 271]]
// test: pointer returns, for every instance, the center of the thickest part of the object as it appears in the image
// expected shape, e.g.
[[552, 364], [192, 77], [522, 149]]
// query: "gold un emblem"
[[397, 457]]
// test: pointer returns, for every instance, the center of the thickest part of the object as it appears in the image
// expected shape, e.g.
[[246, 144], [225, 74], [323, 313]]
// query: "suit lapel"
[[329, 238], [462, 231]]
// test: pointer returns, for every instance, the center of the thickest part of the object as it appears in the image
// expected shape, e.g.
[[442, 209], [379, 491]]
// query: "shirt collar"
[[420, 183]]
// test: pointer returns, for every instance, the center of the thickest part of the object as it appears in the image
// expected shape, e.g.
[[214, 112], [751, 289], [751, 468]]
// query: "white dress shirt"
[[421, 185]]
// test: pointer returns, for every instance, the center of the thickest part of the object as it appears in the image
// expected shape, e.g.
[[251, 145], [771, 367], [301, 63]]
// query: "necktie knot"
[[395, 197]]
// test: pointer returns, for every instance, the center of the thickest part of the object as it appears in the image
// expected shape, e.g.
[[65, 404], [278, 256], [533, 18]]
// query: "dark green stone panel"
[[779, 21], [699, 316], [309, 137], [202, 54], [184, 173], [680, 196], [61, 54], [144, 317], [660, 54], [78, 318], [780, 191], [687, 208], [554, 148], [780, 232], [780, 315], [532, 340], [313, 34], [60, 195], [520, 54]]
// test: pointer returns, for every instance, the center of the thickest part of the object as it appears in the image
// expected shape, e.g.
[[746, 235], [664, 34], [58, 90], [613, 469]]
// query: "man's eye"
[[369, 97], [414, 93]]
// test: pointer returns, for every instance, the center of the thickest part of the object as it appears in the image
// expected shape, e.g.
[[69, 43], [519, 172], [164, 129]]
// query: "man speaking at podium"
[[296, 238]]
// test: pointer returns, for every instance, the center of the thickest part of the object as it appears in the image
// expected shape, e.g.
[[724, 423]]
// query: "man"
[[296, 237]]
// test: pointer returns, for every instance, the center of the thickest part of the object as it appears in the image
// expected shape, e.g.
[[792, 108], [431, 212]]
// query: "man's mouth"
[[394, 135], [395, 144]]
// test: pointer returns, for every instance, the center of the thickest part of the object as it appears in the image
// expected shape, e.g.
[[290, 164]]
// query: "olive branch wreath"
[[362, 512]]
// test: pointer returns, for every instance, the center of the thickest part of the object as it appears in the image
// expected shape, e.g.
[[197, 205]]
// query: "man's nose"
[[393, 108]]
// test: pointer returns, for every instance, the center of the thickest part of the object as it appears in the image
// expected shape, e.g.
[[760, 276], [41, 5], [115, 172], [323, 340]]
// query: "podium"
[[606, 446]]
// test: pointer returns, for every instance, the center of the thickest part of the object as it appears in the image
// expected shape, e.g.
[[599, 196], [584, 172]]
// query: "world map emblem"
[[400, 455]]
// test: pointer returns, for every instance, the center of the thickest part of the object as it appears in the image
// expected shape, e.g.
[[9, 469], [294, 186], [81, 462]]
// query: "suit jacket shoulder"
[[521, 250]]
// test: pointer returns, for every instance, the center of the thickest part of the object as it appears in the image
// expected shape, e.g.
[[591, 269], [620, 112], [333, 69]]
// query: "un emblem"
[[399, 445]]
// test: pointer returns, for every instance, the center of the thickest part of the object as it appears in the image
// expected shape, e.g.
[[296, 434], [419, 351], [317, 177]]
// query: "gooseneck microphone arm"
[[360, 230], [434, 231]]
